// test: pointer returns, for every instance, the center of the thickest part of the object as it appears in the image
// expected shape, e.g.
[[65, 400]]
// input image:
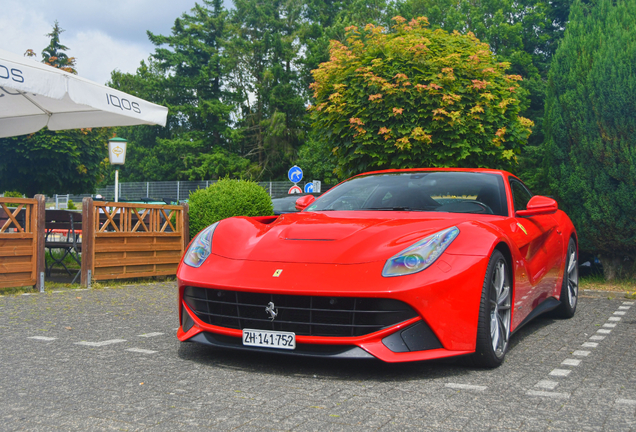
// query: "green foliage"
[[237, 81], [51, 162], [270, 104], [314, 159], [56, 254], [524, 33], [188, 74], [326, 20], [590, 157], [71, 205], [224, 199], [416, 97], [192, 72], [229, 80], [219, 164], [12, 194]]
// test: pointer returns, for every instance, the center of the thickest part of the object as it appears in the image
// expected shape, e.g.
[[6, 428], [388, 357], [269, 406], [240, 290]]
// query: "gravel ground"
[[108, 359]]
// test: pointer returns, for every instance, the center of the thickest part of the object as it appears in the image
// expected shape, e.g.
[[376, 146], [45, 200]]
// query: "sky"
[[103, 35]]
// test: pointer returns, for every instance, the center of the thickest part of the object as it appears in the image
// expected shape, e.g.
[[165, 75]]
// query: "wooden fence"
[[130, 240], [22, 242]]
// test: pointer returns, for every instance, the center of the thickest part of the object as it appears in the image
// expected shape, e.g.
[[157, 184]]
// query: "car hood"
[[328, 237]]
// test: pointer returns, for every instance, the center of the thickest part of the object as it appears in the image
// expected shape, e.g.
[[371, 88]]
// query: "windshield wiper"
[[391, 209], [376, 209]]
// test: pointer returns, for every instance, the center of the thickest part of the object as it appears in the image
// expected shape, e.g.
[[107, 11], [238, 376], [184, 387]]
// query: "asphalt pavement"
[[108, 359]]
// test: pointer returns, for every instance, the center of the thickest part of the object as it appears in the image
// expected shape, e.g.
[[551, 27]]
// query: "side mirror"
[[303, 202], [539, 205]]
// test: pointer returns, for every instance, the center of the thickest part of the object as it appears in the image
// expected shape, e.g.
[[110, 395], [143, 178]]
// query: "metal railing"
[[180, 190], [174, 191]]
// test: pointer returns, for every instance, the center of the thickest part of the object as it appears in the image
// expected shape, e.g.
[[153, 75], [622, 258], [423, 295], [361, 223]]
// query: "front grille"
[[303, 315]]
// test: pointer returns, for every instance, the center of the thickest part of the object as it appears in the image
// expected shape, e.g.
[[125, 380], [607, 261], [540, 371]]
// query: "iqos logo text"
[[11, 74], [122, 104]]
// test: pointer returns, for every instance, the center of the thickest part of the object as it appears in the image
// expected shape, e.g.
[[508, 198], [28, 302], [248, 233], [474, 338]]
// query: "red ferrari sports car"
[[400, 265]]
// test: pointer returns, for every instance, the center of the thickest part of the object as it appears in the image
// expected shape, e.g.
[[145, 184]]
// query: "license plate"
[[269, 339]]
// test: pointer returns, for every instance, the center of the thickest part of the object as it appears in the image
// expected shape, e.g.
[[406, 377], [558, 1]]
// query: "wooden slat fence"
[[21, 241], [131, 240]]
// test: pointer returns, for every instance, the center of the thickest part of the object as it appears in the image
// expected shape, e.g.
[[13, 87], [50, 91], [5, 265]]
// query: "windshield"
[[454, 192]]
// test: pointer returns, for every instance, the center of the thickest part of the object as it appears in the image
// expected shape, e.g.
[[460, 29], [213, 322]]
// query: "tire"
[[570, 286], [495, 313]]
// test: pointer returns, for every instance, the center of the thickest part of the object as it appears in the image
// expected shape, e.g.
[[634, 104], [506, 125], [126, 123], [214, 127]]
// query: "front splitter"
[[302, 350]]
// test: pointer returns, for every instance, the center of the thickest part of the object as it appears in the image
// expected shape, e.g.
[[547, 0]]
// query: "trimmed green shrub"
[[227, 198], [71, 205]]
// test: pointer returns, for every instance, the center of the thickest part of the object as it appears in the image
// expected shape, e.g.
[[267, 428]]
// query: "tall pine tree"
[[590, 124], [271, 110], [54, 55], [188, 72]]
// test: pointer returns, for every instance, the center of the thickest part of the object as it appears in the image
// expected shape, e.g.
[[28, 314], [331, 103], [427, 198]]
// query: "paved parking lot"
[[108, 359]]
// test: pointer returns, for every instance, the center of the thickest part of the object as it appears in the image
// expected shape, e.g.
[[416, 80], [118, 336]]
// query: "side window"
[[520, 195]]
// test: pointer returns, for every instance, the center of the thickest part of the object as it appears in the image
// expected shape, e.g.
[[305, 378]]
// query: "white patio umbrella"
[[34, 95]]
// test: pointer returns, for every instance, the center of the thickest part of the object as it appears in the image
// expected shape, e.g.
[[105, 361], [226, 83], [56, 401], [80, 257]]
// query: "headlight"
[[420, 255], [200, 248]]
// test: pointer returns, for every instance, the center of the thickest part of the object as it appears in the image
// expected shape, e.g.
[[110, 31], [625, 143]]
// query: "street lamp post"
[[117, 156]]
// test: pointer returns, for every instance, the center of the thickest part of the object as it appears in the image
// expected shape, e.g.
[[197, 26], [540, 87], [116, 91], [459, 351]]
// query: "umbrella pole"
[[116, 185]]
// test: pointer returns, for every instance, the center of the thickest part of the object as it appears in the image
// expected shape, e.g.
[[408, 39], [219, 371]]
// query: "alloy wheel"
[[572, 277], [500, 308]]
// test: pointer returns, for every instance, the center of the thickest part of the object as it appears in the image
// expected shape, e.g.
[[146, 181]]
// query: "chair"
[[62, 232]]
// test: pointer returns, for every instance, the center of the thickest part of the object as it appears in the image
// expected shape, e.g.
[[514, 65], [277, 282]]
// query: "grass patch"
[[69, 262], [598, 283], [49, 287], [120, 283]]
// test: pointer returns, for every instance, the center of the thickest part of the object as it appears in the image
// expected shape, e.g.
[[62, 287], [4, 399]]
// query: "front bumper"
[[445, 296]]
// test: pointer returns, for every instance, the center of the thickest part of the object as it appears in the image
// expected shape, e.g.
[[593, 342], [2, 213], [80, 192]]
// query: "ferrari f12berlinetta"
[[398, 265]]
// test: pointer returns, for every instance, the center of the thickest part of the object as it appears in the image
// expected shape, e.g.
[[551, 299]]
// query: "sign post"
[[117, 156]]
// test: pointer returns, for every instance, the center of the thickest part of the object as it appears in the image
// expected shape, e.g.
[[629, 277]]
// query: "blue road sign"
[[295, 174], [309, 188]]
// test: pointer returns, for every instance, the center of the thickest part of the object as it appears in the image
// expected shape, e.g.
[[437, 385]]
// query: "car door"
[[540, 243]]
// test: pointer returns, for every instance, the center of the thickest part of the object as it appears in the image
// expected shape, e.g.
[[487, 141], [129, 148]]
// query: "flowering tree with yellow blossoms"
[[415, 97]]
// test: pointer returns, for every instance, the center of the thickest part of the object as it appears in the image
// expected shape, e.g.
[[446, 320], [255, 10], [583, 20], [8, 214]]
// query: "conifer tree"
[[264, 50], [589, 125], [54, 55], [188, 73]]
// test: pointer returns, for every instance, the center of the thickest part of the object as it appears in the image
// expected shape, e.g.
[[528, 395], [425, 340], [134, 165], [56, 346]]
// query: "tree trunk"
[[617, 267]]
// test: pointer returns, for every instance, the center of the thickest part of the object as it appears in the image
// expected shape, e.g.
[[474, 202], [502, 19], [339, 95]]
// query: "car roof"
[[406, 170]]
